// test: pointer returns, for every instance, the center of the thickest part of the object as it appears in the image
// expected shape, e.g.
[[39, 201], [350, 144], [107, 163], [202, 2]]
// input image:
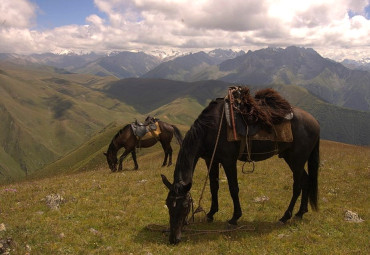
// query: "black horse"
[[127, 139], [200, 141]]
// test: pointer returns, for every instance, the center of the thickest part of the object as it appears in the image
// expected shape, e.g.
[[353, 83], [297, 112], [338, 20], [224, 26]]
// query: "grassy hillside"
[[108, 213], [46, 113]]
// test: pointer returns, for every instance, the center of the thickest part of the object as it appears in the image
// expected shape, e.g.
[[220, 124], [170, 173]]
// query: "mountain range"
[[327, 79], [331, 81], [48, 110]]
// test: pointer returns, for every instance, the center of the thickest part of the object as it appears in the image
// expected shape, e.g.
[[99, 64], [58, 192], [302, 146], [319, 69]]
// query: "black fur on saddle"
[[251, 114], [140, 129]]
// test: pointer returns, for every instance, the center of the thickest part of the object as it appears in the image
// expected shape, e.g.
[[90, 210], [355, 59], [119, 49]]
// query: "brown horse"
[[200, 142], [127, 139]]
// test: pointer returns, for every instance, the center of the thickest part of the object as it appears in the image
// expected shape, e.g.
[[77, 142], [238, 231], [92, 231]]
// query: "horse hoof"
[[231, 226], [209, 218], [281, 223], [233, 222]]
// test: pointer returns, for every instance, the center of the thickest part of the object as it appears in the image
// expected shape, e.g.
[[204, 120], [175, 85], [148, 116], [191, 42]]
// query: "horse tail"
[[313, 172], [177, 134]]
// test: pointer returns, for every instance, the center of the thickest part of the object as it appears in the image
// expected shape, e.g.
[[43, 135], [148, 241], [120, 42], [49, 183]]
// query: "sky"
[[337, 29]]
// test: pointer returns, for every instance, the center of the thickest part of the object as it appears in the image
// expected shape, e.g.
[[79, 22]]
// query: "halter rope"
[[199, 208]]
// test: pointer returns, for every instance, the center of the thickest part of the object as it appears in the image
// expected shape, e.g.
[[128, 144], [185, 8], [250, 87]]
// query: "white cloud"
[[197, 25], [18, 14]]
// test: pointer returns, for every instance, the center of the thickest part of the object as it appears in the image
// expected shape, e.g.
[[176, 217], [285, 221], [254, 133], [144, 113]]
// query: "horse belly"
[[146, 143], [262, 150]]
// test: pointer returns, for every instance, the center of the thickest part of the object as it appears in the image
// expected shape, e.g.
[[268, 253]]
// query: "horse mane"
[[206, 119], [112, 144], [273, 104]]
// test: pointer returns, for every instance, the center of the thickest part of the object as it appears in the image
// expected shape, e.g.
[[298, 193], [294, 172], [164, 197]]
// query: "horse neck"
[[118, 140], [112, 149], [188, 157], [194, 144]]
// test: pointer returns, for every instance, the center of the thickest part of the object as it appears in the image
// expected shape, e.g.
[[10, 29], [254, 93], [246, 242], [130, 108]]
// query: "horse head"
[[178, 203], [111, 160]]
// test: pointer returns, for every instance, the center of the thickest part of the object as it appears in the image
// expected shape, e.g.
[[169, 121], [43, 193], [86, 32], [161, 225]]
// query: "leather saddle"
[[141, 129], [240, 126]]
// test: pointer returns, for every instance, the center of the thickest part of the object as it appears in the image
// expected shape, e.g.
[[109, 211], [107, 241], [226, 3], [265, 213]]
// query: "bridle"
[[189, 204]]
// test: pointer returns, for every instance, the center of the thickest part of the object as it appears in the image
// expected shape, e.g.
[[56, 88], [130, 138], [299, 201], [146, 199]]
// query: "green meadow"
[[114, 213]]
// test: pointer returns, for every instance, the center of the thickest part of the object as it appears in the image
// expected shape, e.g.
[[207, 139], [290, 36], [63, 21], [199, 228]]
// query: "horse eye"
[[185, 204]]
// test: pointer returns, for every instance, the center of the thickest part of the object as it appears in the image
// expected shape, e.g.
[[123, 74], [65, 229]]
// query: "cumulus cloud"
[[17, 14], [336, 28]]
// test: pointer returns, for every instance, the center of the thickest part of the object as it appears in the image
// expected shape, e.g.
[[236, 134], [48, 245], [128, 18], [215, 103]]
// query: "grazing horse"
[[127, 139], [200, 142]]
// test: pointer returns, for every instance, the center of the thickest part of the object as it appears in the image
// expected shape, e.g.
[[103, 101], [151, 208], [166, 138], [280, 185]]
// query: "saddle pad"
[[280, 133], [151, 133]]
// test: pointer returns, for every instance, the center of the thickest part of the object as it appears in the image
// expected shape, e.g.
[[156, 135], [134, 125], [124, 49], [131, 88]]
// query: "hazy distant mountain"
[[363, 64], [122, 65], [184, 67], [69, 61]]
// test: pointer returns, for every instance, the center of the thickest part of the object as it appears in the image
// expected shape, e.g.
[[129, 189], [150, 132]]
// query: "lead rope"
[[199, 208], [249, 159]]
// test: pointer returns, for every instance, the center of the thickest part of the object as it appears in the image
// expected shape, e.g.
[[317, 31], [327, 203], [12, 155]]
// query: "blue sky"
[[337, 29], [56, 13]]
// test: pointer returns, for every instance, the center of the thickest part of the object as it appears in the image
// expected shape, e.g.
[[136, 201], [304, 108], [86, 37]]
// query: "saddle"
[[149, 129], [254, 118]]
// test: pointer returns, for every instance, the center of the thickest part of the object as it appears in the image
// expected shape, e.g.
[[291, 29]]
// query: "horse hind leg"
[[133, 154], [304, 201], [232, 178], [297, 188], [214, 186], [165, 159], [169, 156]]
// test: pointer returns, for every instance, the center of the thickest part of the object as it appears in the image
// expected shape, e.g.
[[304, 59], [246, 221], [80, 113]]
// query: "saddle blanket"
[[280, 133]]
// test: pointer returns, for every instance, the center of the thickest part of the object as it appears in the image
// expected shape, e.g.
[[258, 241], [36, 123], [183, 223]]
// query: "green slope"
[[46, 113]]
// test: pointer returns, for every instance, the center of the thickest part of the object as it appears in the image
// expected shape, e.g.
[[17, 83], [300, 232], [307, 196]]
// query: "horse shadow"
[[200, 232]]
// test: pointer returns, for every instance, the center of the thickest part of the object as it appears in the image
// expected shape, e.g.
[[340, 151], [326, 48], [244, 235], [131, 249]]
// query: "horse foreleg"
[[232, 178], [133, 154], [214, 185], [121, 158], [297, 187], [304, 201]]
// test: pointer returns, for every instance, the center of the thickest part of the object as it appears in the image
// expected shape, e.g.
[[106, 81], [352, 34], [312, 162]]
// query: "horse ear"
[[166, 182]]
